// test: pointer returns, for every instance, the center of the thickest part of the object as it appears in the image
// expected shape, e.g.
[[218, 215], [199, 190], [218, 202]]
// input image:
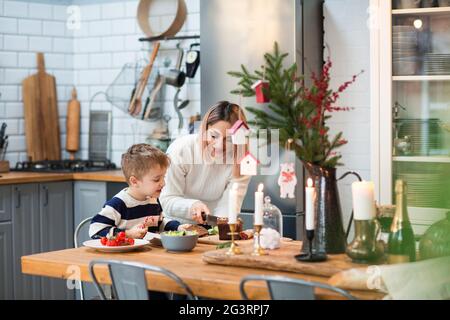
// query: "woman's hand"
[[196, 211]]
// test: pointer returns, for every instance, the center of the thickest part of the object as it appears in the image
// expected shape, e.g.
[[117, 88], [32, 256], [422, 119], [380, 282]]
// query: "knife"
[[2, 134], [3, 155]]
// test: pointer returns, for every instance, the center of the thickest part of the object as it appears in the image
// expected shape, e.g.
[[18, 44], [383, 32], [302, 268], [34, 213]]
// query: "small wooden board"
[[213, 240], [282, 259]]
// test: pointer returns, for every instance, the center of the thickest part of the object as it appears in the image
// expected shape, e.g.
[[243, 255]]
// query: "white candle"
[[309, 205], [232, 204], [259, 212], [363, 200]]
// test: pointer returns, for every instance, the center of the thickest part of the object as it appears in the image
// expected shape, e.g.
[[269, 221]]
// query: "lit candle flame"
[[310, 183], [260, 187]]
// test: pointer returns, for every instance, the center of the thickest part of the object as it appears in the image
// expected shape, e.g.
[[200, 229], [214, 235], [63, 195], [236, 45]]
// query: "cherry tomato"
[[103, 240], [131, 241], [121, 235]]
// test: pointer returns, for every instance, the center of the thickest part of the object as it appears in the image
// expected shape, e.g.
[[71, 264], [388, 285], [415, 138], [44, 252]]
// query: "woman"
[[203, 168]]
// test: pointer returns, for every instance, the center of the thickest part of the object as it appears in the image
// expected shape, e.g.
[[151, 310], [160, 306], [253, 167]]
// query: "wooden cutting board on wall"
[[41, 114]]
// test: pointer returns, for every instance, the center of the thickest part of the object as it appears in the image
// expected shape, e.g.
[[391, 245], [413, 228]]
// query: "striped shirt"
[[123, 212]]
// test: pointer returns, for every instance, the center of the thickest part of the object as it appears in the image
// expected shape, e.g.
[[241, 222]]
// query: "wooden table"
[[205, 280]]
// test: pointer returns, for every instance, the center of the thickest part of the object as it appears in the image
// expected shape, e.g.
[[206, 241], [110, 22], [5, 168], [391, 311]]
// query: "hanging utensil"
[[151, 99], [136, 102], [192, 61], [176, 77], [177, 107]]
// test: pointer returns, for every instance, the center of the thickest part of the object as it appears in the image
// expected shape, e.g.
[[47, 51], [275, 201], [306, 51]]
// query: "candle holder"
[[234, 249], [311, 256], [258, 250]]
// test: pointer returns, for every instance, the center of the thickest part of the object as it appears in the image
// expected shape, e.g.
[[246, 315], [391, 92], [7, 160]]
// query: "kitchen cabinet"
[[56, 231], [410, 86], [6, 261], [42, 220], [5, 203], [89, 198], [26, 225]]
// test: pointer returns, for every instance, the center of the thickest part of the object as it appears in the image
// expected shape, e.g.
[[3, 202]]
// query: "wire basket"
[[119, 93]]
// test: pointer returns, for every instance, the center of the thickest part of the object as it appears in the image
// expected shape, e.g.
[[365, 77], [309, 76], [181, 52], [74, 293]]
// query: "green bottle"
[[401, 243]]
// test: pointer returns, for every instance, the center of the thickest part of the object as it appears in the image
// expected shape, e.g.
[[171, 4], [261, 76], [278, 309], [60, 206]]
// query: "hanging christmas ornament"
[[239, 132], [248, 165], [287, 179], [261, 87]]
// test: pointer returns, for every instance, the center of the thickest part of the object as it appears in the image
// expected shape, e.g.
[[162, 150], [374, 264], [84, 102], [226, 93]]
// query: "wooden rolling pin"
[[73, 125]]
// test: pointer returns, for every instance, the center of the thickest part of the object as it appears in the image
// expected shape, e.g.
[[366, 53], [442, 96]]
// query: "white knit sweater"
[[189, 180]]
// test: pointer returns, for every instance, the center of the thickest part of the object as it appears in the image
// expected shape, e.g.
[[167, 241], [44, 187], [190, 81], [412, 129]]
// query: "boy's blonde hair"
[[140, 158]]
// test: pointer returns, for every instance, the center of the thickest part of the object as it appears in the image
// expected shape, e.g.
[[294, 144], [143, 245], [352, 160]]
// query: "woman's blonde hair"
[[222, 111]]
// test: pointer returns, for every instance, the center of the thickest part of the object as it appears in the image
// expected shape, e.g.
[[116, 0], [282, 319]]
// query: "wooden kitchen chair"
[[284, 288], [129, 281]]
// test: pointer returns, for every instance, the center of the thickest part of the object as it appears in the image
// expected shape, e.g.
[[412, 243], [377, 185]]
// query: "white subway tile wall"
[[347, 36], [89, 58]]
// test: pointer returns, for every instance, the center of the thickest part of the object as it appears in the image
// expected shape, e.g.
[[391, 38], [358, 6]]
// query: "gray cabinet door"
[[89, 198], [56, 226], [6, 262], [5, 203], [25, 219]]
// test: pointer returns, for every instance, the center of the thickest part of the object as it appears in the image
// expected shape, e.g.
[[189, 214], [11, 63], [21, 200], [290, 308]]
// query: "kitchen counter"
[[15, 177]]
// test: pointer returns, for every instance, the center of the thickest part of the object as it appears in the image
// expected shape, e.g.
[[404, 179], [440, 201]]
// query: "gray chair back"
[[284, 288], [76, 235], [129, 281]]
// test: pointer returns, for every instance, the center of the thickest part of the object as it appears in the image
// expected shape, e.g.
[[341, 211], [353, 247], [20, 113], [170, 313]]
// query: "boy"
[[136, 209]]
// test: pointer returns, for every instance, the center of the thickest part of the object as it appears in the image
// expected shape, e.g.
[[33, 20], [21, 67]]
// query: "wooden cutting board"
[[214, 240], [281, 259], [41, 114]]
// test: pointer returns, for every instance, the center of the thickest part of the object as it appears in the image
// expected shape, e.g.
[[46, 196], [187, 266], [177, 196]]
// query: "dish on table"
[[179, 241], [97, 245], [116, 243]]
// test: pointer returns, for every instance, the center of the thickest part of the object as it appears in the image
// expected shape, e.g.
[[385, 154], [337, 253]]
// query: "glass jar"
[[272, 217], [385, 215]]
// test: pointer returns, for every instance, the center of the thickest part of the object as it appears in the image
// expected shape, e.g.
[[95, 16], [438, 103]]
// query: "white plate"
[[96, 244]]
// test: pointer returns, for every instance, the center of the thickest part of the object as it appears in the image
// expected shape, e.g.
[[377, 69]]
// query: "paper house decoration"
[[258, 87], [249, 165], [239, 131]]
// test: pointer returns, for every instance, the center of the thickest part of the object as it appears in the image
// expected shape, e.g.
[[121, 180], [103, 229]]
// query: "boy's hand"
[[137, 232], [150, 221]]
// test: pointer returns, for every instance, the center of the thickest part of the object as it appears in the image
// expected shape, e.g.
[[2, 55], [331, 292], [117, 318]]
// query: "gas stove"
[[59, 166]]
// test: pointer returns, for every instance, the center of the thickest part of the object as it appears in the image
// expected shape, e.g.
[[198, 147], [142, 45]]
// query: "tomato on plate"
[[121, 235], [131, 241], [103, 240]]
